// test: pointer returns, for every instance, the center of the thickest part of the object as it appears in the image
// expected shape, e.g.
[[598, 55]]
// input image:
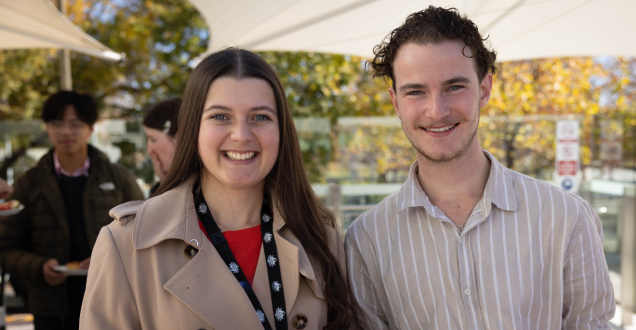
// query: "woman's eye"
[[261, 118], [219, 116]]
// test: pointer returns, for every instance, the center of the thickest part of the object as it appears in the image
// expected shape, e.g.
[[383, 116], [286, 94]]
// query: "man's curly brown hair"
[[434, 25]]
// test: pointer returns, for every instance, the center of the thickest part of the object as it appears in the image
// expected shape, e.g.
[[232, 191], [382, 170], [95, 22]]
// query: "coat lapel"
[[205, 284], [207, 287]]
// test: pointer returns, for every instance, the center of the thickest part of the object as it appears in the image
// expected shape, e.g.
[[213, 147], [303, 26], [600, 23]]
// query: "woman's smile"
[[240, 155]]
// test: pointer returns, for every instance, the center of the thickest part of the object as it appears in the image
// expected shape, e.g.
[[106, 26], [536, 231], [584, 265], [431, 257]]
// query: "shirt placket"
[[467, 279]]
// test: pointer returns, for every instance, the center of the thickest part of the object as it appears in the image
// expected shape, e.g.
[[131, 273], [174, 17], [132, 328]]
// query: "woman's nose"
[[241, 132]]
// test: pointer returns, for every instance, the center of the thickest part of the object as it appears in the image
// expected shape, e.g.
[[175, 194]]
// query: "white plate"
[[70, 272], [5, 213]]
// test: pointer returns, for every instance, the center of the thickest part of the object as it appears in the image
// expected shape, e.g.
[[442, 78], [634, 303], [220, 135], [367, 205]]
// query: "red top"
[[246, 248]]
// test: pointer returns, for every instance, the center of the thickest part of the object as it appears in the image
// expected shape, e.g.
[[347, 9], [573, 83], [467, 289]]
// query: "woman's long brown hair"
[[303, 212]]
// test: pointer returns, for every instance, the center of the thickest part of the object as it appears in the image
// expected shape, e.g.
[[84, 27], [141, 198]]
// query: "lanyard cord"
[[271, 253]]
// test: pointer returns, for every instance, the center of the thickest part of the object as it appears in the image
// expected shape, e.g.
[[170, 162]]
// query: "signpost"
[[567, 154], [611, 143]]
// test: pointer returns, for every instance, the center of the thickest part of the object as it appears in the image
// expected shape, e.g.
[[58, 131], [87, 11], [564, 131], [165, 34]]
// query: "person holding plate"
[[5, 189], [66, 199], [235, 237]]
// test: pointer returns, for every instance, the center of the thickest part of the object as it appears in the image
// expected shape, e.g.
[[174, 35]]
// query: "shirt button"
[[467, 291], [462, 240]]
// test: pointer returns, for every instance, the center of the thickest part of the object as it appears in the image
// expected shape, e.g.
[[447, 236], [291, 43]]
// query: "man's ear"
[[394, 100], [485, 89]]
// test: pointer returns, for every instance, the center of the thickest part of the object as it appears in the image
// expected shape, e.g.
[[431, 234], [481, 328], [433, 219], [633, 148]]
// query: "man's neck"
[[72, 161], [457, 185], [233, 209]]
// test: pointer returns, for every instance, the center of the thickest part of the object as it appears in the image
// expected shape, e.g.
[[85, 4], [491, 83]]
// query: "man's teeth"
[[441, 129], [239, 156]]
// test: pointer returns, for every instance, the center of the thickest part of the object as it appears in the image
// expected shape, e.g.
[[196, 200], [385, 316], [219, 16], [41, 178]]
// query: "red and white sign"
[[567, 154]]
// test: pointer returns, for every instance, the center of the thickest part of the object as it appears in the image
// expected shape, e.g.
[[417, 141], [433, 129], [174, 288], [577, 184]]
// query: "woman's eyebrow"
[[217, 107], [264, 107]]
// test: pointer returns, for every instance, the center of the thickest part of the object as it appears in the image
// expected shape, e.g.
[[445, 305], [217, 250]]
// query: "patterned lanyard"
[[269, 245]]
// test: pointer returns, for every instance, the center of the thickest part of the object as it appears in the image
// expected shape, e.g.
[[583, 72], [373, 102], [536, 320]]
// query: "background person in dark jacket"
[[160, 125], [67, 197]]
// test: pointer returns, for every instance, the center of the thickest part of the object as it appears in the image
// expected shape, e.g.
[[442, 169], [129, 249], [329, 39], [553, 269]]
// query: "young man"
[[467, 243], [67, 197]]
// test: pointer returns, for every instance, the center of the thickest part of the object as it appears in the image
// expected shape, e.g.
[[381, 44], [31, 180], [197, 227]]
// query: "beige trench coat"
[[140, 277]]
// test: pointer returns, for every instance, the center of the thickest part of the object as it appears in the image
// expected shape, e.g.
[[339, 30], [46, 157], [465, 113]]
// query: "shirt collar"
[[83, 170], [499, 190]]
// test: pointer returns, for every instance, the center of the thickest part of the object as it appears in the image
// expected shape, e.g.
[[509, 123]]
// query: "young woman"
[[235, 238], [160, 125]]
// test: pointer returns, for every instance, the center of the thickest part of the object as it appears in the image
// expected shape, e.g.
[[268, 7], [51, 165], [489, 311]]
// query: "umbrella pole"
[[64, 55]]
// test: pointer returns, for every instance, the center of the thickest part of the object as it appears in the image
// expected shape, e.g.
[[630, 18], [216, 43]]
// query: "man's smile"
[[440, 129]]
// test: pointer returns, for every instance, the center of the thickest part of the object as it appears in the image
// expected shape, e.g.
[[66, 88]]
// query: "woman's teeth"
[[441, 129], [239, 156]]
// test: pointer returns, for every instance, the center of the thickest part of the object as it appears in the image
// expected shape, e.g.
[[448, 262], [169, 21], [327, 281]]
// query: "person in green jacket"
[[67, 197]]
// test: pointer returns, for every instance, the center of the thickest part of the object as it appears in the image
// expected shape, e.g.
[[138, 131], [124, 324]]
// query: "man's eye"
[[415, 93], [455, 87]]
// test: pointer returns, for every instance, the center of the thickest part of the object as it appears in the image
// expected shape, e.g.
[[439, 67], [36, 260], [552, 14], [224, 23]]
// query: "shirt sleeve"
[[588, 297], [371, 312], [108, 300]]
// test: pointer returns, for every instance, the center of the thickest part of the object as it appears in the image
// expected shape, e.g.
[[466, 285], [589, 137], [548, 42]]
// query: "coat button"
[[190, 251], [299, 321]]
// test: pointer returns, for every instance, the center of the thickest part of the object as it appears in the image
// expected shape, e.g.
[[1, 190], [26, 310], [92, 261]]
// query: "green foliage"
[[328, 86], [518, 125], [160, 39]]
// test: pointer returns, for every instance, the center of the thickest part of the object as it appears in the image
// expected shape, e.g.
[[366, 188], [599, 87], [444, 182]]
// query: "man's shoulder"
[[377, 213], [33, 176], [544, 192], [118, 171]]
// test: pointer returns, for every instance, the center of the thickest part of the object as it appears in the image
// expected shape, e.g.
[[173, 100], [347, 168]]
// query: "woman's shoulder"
[[124, 213]]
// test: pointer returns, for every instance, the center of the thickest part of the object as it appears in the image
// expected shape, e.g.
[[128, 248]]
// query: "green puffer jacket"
[[41, 231]]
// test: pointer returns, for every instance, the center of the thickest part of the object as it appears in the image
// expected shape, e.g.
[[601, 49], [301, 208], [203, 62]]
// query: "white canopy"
[[38, 24], [518, 29]]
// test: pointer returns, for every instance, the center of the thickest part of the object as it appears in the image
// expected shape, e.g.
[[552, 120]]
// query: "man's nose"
[[437, 107]]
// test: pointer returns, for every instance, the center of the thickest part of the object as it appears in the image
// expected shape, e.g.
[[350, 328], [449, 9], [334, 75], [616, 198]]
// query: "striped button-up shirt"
[[530, 257]]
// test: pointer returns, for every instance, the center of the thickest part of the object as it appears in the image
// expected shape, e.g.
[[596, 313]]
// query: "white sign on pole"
[[567, 154]]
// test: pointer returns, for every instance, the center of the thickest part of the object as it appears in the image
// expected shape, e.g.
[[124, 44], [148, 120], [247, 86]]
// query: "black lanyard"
[[271, 255]]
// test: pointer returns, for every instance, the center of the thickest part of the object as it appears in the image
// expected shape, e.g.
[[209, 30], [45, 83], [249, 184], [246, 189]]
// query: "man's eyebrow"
[[412, 86], [456, 80]]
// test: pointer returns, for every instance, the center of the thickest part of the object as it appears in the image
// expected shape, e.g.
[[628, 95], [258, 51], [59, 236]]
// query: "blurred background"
[[354, 149]]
